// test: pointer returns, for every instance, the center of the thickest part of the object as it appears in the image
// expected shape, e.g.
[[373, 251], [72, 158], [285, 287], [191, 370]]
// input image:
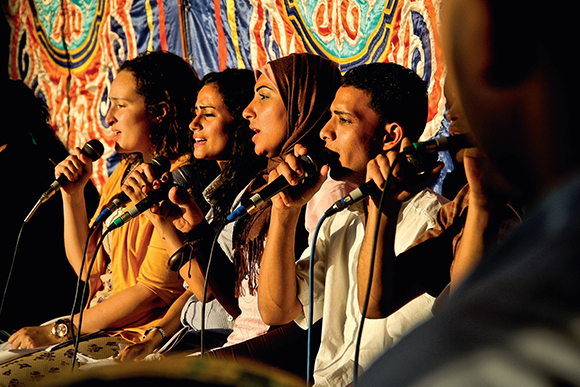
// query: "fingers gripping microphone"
[[311, 165], [93, 150], [367, 189], [459, 141], [160, 165], [183, 176]]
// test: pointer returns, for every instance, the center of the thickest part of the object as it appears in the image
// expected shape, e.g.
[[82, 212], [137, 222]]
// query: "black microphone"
[[93, 149], [310, 163], [184, 176], [456, 142], [459, 141], [160, 165]]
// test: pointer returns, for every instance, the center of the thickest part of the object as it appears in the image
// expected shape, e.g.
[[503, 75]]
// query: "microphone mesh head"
[[93, 149], [160, 165], [185, 176]]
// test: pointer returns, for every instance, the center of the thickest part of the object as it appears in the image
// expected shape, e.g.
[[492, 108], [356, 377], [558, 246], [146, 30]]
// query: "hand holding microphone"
[[146, 172], [296, 168], [79, 164], [76, 168], [414, 150], [183, 176]]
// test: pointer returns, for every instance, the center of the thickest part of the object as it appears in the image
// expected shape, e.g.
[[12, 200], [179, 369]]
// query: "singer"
[[376, 107], [221, 135], [290, 103], [130, 285]]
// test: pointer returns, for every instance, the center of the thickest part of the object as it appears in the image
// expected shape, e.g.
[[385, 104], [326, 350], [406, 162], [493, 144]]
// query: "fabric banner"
[[68, 51]]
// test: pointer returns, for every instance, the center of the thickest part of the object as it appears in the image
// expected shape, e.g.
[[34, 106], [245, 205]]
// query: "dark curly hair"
[[397, 94], [236, 87], [165, 77]]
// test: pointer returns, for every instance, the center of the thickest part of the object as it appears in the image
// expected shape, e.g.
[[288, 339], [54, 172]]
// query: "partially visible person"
[[482, 213], [130, 284], [377, 106], [29, 151], [514, 320], [222, 135]]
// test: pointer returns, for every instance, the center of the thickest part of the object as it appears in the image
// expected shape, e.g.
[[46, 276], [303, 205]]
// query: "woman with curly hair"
[[220, 133], [130, 285]]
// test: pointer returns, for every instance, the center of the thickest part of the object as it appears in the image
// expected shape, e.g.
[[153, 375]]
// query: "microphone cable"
[[11, 267], [309, 372], [77, 337], [205, 286], [371, 269], [78, 285]]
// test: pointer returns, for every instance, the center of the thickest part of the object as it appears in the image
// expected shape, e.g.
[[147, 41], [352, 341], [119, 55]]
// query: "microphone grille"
[[160, 165], [93, 149], [185, 176]]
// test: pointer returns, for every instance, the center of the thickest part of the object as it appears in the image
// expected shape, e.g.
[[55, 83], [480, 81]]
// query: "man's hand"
[[404, 182]]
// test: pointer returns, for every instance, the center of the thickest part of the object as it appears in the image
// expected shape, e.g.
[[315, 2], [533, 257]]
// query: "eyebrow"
[[341, 113], [119, 99], [204, 107], [263, 87]]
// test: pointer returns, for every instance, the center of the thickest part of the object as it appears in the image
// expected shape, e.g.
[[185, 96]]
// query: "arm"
[[121, 309], [78, 169], [177, 220], [277, 292], [170, 324], [472, 244], [388, 292]]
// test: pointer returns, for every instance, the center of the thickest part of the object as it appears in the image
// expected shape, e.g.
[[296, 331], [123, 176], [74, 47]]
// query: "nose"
[[249, 112], [110, 116], [327, 133], [194, 124]]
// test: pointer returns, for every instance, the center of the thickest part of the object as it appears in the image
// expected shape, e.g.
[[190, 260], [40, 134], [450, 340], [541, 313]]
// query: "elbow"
[[279, 316], [377, 308]]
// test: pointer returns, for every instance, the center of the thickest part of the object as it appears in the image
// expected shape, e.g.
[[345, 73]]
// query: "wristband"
[[158, 329]]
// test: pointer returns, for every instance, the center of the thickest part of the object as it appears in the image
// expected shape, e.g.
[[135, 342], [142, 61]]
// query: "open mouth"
[[329, 157], [199, 141]]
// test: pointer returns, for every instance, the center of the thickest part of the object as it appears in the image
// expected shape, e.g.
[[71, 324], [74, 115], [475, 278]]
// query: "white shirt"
[[335, 290]]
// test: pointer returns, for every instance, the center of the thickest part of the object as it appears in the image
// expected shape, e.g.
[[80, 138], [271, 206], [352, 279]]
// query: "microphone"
[[184, 176], [367, 189], [310, 163], [459, 141], [93, 149], [160, 165]]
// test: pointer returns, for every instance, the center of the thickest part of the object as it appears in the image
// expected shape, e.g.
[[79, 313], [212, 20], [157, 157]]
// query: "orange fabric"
[[137, 256]]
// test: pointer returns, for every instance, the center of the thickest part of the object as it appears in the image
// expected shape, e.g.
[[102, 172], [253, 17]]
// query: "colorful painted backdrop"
[[67, 51]]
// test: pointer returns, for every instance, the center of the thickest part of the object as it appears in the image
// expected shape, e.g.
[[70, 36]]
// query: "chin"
[[340, 173]]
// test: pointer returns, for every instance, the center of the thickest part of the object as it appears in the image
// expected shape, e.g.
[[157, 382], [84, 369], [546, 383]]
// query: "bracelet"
[[158, 329], [194, 238]]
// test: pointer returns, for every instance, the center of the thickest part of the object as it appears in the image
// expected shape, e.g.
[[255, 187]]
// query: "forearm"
[[277, 292], [471, 246], [76, 230], [222, 274], [381, 291], [171, 321], [120, 310]]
